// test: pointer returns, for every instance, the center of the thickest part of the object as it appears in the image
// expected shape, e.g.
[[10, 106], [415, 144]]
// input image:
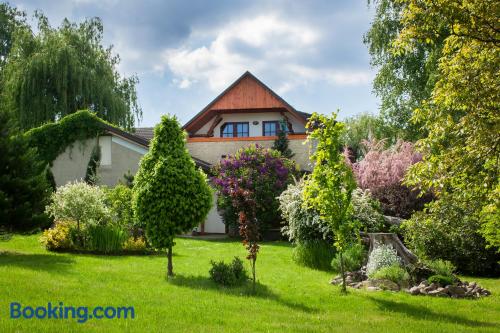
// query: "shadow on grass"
[[422, 313], [261, 291], [45, 262]]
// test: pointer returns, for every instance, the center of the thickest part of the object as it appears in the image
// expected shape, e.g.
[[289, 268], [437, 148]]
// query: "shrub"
[[441, 280], [228, 274], [302, 224], [315, 254], [394, 273], [382, 255], [133, 244], [24, 189], [59, 237], [382, 171], [119, 201], [79, 202], [354, 258], [441, 267], [105, 238], [170, 195], [262, 171], [367, 211], [451, 232]]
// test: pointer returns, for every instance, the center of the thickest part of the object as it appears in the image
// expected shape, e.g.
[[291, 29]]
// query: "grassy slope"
[[290, 298]]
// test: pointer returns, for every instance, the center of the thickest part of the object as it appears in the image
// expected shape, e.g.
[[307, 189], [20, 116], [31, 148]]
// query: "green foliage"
[[119, 202], [59, 237], [24, 189], [317, 254], [441, 280], [11, 19], [329, 188], [79, 202], [366, 127], [354, 257], [450, 232], [228, 274], [441, 267], [461, 153], [170, 195], [52, 72], [302, 224], [52, 139], [394, 273], [281, 142], [91, 176], [382, 255], [367, 211], [107, 238], [403, 81]]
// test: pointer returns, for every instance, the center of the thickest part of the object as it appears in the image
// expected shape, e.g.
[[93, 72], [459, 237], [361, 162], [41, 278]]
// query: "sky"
[[186, 52]]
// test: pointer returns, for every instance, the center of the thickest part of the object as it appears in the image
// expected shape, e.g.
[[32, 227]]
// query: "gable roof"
[[192, 125]]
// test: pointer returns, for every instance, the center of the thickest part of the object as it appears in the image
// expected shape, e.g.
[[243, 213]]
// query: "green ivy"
[[52, 139]]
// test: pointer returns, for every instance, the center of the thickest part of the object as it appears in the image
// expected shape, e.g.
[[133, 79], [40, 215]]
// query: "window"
[[234, 130], [271, 128]]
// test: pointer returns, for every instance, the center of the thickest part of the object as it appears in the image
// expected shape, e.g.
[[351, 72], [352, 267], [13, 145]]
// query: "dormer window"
[[234, 130]]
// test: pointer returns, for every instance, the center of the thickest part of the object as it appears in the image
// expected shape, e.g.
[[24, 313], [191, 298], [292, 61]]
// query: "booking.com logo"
[[60, 311]]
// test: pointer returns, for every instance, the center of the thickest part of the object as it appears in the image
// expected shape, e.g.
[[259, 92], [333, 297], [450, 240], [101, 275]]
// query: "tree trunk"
[[342, 271], [392, 239], [170, 268]]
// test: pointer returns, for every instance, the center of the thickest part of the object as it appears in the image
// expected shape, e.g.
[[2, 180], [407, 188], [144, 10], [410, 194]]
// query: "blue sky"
[[186, 52]]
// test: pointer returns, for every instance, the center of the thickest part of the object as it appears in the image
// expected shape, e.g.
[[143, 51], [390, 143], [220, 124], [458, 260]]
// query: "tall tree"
[[403, 81], [10, 20], [24, 189], [329, 187], [461, 155], [170, 195], [57, 71]]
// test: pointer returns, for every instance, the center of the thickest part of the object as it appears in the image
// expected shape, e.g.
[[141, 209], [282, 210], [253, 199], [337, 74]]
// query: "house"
[[246, 112]]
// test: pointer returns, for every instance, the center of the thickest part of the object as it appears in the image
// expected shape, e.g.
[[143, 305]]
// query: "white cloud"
[[264, 44]]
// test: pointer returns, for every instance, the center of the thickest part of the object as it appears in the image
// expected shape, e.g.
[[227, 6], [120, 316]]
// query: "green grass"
[[290, 298]]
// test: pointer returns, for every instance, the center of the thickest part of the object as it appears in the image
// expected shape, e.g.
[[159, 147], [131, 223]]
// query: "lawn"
[[290, 298]]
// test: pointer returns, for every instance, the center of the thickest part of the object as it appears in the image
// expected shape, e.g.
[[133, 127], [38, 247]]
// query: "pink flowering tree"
[[382, 172]]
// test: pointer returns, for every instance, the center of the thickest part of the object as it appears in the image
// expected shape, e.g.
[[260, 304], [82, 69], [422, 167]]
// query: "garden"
[[394, 228]]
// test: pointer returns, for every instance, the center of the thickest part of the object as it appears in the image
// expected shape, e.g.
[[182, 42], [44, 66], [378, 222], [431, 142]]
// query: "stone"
[[414, 290], [456, 290], [358, 285], [438, 292], [371, 288]]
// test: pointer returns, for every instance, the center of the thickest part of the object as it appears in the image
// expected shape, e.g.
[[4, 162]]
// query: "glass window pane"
[[270, 128], [227, 131], [242, 129]]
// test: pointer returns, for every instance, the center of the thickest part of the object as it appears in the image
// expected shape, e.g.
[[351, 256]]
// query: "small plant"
[[59, 237], [133, 244], [394, 273], [441, 280], [119, 201], [105, 238], [441, 267], [367, 211], [315, 254], [228, 274], [354, 257], [382, 256]]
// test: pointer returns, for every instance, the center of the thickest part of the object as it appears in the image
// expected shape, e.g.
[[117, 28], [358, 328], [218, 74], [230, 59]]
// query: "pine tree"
[[170, 195], [281, 143], [24, 188]]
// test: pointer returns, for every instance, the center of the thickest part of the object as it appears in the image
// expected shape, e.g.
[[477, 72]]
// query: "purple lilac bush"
[[263, 172]]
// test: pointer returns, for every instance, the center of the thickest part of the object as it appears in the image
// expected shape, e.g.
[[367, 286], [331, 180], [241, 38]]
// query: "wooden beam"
[[217, 120]]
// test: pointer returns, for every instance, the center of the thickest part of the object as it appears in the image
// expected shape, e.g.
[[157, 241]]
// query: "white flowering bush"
[[79, 202], [367, 211], [302, 224], [382, 255]]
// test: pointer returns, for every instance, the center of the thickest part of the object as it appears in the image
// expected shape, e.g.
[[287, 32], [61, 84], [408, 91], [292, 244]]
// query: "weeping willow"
[[57, 71]]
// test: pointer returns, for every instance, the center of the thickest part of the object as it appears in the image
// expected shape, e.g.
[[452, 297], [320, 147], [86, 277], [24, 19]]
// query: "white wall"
[[213, 223]]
